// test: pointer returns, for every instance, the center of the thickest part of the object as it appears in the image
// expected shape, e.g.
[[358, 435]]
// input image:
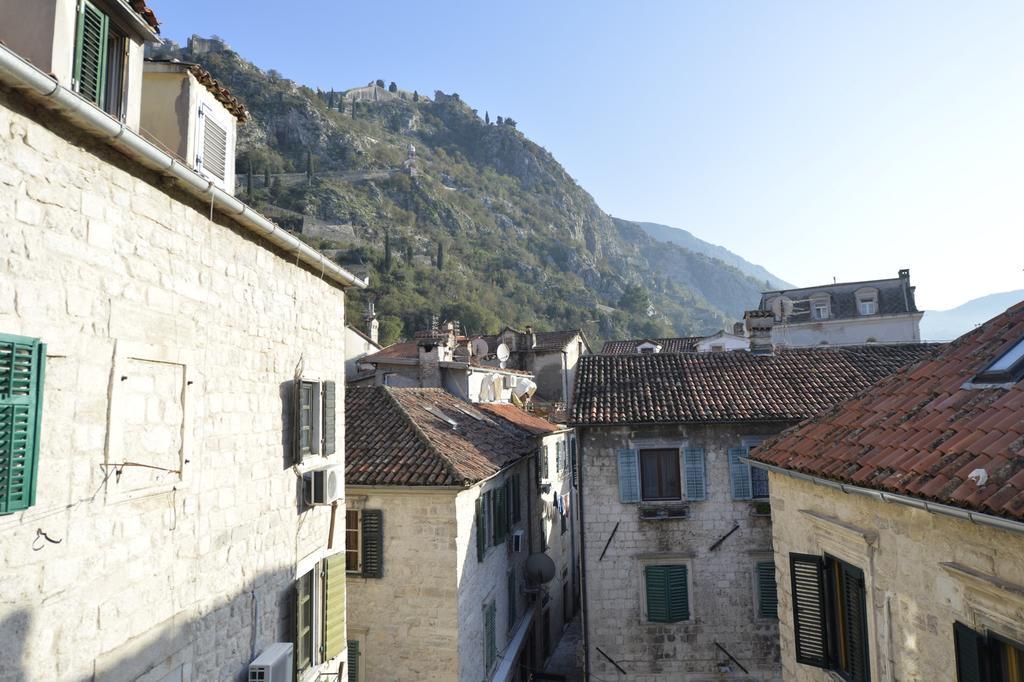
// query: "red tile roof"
[[921, 432], [406, 349], [396, 436], [147, 14], [521, 418], [735, 386]]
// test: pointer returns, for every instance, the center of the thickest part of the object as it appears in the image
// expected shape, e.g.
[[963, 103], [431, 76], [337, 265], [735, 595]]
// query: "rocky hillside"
[[455, 214]]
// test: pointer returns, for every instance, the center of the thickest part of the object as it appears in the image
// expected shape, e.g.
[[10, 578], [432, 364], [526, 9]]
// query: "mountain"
[[944, 325], [453, 215], [677, 235]]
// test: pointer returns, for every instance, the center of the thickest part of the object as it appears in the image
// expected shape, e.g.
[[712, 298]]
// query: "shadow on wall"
[[216, 645]]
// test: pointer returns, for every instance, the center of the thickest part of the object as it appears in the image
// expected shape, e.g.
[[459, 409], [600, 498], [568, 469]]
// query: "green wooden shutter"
[[373, 543], [517, 502], [490, 640], [22, 369], [329, 418], [678, 594], [302, 419], [573, 462], [855, 630], [693, 468], [481, 529], [668, 599], [334, 606], [808, 585], [739, 472], [629, 477], [353, 660], [969, 646], [500, 514], [90, 73], [767, 592]]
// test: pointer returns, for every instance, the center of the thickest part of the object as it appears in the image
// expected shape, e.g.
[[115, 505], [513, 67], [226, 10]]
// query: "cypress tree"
[[408, 253], [248, 180], [440, 256], [309, 165], [266, 176], [387, 251], [487, 117]]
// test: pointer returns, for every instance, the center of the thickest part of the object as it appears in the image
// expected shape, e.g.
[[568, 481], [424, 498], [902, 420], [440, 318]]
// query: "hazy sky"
[[819, 139]]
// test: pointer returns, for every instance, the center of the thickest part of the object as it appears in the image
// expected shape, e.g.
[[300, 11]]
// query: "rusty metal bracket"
[[722, 539], [609, 540]]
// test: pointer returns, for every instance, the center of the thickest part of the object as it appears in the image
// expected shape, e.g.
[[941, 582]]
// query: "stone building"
[[154, 336], [898, 522], [442, 514], [678, 576], [874, 311], [550, 357]]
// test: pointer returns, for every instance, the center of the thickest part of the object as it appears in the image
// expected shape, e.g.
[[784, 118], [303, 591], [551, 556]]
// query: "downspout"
[[20, 74]]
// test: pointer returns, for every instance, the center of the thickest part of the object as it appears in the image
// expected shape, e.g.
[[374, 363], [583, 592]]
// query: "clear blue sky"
[[819, 139]]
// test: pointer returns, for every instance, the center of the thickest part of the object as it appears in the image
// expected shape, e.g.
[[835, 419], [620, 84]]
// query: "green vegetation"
[[484, 226]]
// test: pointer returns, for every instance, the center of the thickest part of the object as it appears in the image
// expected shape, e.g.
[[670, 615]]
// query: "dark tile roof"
[[683, 344], [556, 340], [895, 296], [147, 14], [521, 418], [394, 436], [735, 386], [405, 349], [920, 432]]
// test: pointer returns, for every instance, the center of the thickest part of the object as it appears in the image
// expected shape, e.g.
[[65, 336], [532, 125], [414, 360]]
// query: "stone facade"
[[172, 342], [722, 595], [922, 573]]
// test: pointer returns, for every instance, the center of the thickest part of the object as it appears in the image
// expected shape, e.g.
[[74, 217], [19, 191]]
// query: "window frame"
[[675, 456], [988, 649], [314, 568], [666, 562], [355, 547], [111, 89], [759, 565]]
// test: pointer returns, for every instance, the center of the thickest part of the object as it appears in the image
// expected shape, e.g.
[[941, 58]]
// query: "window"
[[353, 660], [659, 474], [748, 483], [490, 639], [320, 613], [717, 348], [868, 306], [492, 519], [563, 512], [767, 592], [364, 542], [986, 657], [830, 615], [1007, 368], [100, 60], [666, 593], [572, 461], [22, 364], [213, 145], [819, 309], [353, 558], [314, 418]]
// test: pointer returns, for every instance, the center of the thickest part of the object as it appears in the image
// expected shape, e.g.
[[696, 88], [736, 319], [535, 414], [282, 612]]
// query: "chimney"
[[737, 329], [531, 338], [759, 325], [372, 324], [905, 274]]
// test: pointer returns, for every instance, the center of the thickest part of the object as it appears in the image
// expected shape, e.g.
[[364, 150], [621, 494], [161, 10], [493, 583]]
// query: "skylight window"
[[1008, 367], [441, 415]]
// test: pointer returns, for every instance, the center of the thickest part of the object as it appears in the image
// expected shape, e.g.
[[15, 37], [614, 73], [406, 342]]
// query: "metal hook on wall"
[[41, 535]]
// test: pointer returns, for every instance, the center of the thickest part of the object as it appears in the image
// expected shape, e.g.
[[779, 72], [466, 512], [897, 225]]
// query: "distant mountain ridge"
[[686, 239], [945, 325]]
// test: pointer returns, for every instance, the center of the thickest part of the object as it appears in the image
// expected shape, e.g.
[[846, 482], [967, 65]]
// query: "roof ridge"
[[424, 438]]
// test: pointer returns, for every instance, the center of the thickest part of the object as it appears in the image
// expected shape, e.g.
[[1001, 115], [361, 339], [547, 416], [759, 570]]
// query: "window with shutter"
[[490, 638], [970, 651], [373, 543], [517, 502], [500, 515], [629, 476], [481, 529], [90, 70], [353, 541], [739, 473], [304, 621], [22, 369], [693, 469], [659, 474], [849, 618], [329, 401], [353, 660], [767, 593], [808, 585], [986, 657], [333, 639], [667, 594], [213, 152], [303, 418], [573, 462]]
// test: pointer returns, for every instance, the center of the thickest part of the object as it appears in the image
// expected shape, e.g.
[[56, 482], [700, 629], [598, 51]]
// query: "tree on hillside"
[[509, 122], [408, 253], [501, 121], [380, 83], [392, 87], [309, 165], [635, 299], [387, 251], [415, 96], [440, 255], [487, 117], [266, 176], [248, 180]]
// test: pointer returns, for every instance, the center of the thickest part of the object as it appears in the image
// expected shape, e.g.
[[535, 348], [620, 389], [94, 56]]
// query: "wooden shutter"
[[969, 648], [373, 543], [573, 462], [90, 73], [807, 573], [481, 529], [302, 419], [767, 593], [739, 473], [516, 500], [668, 599], [328, 417], [213, 157], [334, 606], [500, 515], [855, 623], [353, 660], [629, 477], [678, 594], [490, 640], [22, 369], [693, 469]]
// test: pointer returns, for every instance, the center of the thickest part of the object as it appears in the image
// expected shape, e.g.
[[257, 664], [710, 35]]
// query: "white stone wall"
[[723, 608], [407, 622], [142, 299], [912, 599], [882, 328]]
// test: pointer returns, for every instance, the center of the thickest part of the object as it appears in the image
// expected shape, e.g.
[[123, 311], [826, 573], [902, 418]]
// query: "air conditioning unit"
[[508, 381], [273, 665], [323, 486], [517, 541]]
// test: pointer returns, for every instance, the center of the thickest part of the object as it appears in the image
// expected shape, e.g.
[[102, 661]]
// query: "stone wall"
[[561, 546], [844, 332], [172, 341], [407, 622], [723, 608], [914, 595]]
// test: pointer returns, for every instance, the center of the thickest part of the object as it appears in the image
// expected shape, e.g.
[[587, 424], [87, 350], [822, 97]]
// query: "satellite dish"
[[479, 347], [540, 567], [502, 352]]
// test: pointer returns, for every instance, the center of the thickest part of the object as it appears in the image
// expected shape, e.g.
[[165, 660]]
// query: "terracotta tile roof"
[[683, 344], [920, 432], [556, 340], [147, 14], [395, 436], [405, 349], [521, 418], [221, 93], [734, 386]]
